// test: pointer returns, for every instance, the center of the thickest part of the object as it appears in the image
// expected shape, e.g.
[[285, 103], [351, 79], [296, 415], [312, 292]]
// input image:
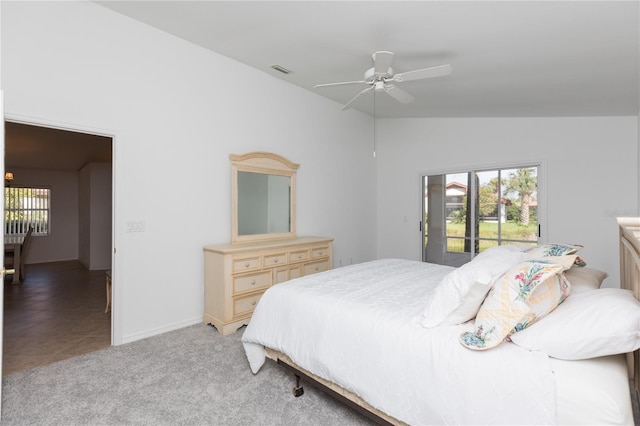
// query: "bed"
[[415, 343]]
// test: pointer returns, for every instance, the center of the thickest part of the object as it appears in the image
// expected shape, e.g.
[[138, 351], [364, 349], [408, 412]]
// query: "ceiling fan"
[[380, 78]]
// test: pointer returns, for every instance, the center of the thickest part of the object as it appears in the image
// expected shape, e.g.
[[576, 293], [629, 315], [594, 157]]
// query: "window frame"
[[42, 227], [540, 197]]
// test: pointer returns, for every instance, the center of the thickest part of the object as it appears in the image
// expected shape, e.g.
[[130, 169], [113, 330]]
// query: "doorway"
[[65, 267]]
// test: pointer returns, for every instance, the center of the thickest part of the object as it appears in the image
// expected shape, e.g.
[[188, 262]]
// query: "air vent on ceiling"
[[282, 69]]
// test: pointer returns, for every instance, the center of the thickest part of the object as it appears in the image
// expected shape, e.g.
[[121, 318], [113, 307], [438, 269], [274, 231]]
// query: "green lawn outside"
[[510, 231]]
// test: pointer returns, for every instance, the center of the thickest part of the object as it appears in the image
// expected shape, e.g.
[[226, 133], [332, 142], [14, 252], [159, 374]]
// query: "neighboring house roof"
[[453, 189], [452, 185]]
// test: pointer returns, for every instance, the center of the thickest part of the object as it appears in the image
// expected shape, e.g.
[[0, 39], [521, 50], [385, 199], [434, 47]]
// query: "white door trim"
[[116, 179]]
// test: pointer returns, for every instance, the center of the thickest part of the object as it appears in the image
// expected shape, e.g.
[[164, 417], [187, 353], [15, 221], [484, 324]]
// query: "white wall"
[[176, 112], [62, 242], [84, 216], [590, 175], [94, 188]]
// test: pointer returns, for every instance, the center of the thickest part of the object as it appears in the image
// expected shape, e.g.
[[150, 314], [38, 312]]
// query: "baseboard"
[[160, 330]]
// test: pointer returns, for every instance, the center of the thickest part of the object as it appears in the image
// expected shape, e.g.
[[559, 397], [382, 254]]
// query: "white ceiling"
[[509, 58], [35, 147]]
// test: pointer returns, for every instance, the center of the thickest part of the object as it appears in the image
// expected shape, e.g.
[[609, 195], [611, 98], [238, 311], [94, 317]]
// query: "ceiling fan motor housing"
[[370, 75], [378, 85]]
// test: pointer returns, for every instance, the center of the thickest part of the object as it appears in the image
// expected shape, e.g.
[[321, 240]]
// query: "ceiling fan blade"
[[398, 94], [348, 104], [382, 62], [342, 83], [423, 73]]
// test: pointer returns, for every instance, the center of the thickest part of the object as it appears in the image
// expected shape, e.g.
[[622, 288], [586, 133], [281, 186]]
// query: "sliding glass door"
[[468, 212]]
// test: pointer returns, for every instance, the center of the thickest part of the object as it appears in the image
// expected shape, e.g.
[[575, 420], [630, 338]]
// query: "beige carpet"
[[191, 376]]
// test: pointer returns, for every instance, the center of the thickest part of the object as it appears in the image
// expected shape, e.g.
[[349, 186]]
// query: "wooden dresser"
[[236, 275]]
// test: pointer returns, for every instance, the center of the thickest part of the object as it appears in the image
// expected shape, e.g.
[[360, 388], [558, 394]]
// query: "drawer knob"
[[253, 303], [321, 252], [246, 265], [317, 269], [275, 260], [253, 282]]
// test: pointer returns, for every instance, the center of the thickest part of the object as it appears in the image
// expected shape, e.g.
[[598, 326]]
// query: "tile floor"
[[56, 313]]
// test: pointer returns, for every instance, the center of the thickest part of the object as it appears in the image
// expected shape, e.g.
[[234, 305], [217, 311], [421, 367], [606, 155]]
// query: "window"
[[26, 207], [468, 212]]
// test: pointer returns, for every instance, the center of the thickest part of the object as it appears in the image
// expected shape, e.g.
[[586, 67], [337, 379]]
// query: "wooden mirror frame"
[[265, 163]]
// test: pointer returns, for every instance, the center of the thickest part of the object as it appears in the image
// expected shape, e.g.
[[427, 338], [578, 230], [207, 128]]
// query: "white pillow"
[[585, 278], [589, 324], [494, 251], [459, 295], [470, 303]]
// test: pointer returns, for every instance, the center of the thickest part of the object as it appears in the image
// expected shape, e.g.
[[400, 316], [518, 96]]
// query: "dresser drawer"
[[280, 275], [246, 264], [312, 268], [238, 274], [286, 273], [298, 256], [245, 305], [251, 282], [275, 259], [295, 272], [319, 252]]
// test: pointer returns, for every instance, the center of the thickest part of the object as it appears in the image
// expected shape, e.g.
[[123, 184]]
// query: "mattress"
[[325, 323], [593, 391]]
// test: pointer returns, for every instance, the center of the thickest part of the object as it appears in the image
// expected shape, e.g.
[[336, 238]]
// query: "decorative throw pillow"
[[554, 250], [522, 295], [459, 296], [543, 250], [589, 324], [579, 262], [583, 279]]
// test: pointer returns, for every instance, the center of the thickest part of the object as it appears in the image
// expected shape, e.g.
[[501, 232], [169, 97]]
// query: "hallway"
[[55, 314]]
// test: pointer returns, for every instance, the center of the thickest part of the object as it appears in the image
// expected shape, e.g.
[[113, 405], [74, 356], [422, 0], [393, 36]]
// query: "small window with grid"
[[26, 207]]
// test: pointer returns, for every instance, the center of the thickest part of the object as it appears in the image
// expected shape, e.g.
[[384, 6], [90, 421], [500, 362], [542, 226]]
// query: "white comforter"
[[357, 326]]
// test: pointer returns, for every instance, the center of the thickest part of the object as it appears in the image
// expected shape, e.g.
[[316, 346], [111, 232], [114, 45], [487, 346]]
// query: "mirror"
[[263, 197], [263, 203]]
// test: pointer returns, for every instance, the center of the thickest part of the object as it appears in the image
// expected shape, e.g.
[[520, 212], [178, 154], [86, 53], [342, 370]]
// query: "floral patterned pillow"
[[557, 250], [543, 250], [519, 297], [579, 262], [554, 249]]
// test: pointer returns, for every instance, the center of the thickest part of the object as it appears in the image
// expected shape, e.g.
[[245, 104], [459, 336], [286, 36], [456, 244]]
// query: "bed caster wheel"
[[297, 389]]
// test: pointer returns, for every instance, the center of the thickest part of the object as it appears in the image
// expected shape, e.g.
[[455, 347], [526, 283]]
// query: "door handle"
[[6, 271]]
